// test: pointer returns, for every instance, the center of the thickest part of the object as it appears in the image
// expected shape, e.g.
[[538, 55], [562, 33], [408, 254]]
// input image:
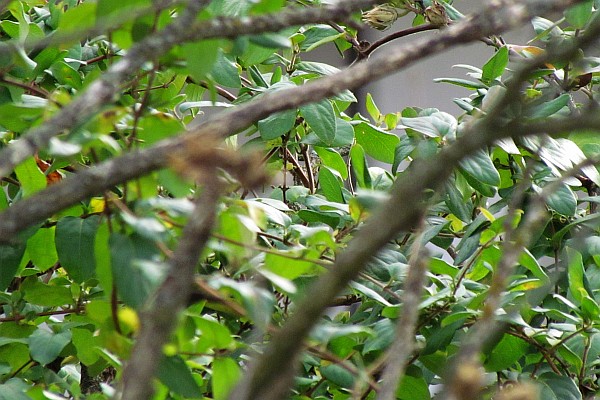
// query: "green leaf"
[[495, 66], [225, 71], [201, 57], [331, 184], [18, 117], [225, 374], [438, 124], [78, 19], [318, 35], [378, 144], [563, 201], [462, 83], [102, 256], [338, 375], [549, 108], [134, 269], [65, 74], [214, 335], [271, 40], [333, 160], [321, 118], [575, 273], [372, 108], [457, 205], [31, 178], [579, 14], [10, 259], [441, 267], [45, 346], [413, 385], [14, 389], [174, 373], [557, 387], [528, 261], [158, 126], [42, 249], [360, 166], [41, 294], [291, 265], [479, 166], [505, 354], [85, 344], [107, 8], [382, 338], [75, 246], [276, 125]]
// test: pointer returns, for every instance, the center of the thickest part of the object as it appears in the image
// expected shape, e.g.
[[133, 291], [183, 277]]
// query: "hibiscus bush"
[[192, 209]]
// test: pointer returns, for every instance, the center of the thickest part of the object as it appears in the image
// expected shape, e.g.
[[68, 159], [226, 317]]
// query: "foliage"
[[76, 283]]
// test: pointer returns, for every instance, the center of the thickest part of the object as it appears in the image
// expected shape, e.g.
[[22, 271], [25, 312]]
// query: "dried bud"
[[436, 14], [381, 17]]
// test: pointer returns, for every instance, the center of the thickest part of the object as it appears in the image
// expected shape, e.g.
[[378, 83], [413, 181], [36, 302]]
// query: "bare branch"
[[404, 343]]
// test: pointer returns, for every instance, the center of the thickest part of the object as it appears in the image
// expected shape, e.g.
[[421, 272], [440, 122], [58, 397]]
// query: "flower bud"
[[436, 14], [381, 17]]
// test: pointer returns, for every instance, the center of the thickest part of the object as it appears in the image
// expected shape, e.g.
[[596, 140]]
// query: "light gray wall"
[[414, 86]]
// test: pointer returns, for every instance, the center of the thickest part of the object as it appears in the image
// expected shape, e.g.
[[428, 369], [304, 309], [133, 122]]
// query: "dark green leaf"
[[75, 246], [134, 267], [479, 165], [321, 118], [550, 108], [10, 259], [276, 125], [338, 375], [174, 373], [563, 201], [45, 346], [14, 389], [557, 387]]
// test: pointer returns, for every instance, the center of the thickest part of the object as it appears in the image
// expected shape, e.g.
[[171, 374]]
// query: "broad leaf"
[[75, 246]]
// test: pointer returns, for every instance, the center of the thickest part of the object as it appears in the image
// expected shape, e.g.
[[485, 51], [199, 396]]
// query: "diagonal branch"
[[95, 180], [404, 343]]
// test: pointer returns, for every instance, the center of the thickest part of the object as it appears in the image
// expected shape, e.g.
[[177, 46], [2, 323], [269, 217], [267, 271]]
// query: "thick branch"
[[104, 90], [160, 314], [44, 204]]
